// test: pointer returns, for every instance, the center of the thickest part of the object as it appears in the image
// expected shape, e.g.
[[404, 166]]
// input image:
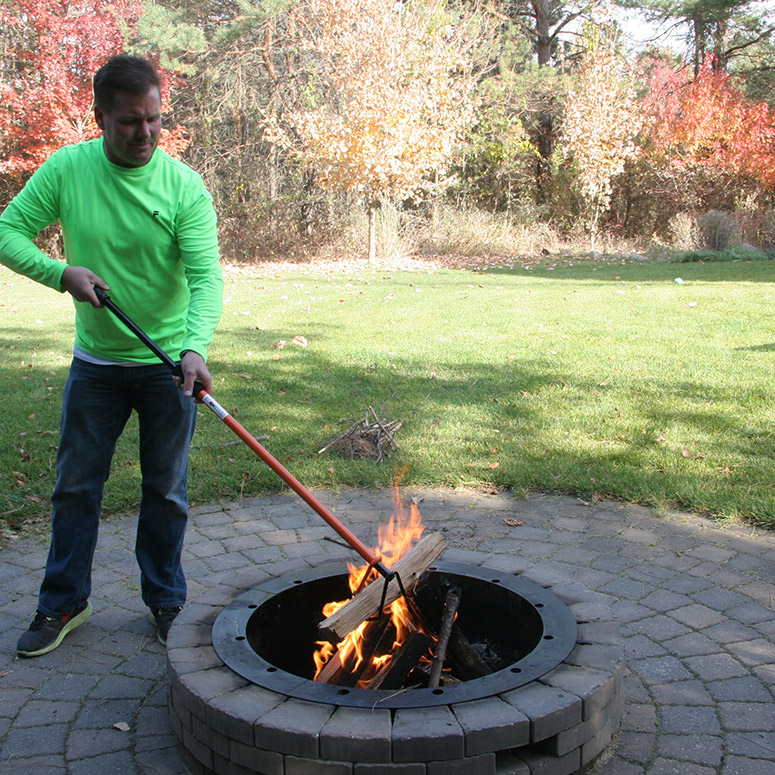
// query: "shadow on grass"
[[523, 423]]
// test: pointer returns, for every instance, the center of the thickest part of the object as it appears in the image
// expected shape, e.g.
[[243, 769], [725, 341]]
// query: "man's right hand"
[[79, 282]]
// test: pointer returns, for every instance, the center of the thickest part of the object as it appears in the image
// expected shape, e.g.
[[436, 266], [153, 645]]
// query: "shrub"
[[683, 231], [716, 230], [472, 232]]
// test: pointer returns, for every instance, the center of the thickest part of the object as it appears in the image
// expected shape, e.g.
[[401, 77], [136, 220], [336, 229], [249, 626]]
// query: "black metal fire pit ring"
[[230, 641]]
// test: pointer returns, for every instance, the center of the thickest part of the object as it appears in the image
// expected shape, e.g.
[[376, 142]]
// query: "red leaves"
[[54, 54], [707, 122]]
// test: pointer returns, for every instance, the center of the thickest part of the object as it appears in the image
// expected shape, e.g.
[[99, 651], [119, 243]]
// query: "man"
[[135, 220]]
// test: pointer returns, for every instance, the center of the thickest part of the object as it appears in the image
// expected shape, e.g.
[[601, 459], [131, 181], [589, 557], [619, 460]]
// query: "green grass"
[[608, 381]]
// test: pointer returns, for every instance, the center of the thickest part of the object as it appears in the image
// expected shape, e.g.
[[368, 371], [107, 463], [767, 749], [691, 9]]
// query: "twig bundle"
[[369, 436]]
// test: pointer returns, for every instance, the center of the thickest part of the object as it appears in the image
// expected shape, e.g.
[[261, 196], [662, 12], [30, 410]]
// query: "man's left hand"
[[194, 370]]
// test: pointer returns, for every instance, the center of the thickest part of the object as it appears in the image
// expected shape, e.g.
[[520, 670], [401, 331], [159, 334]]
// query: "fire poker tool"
[[370, 599]]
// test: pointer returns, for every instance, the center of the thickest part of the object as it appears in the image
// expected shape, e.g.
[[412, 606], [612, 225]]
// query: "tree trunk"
[[372, 205], [543, 41]]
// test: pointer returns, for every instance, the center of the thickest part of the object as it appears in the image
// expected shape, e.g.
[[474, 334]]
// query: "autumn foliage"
[[45, 94], [602, 120], [392, 96], [52, 50], [376, 100], [706, 122], [400, 103]]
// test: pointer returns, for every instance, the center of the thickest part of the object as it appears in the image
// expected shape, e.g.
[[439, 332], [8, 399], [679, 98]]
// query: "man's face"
[[131, 128]]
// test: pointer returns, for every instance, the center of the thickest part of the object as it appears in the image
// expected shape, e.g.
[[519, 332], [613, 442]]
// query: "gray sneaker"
[[47, 632]]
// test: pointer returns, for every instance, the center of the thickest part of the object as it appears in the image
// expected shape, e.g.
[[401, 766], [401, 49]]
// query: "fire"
[[396, 537]]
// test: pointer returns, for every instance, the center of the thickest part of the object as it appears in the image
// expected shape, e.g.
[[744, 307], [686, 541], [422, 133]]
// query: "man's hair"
[[123, 73]]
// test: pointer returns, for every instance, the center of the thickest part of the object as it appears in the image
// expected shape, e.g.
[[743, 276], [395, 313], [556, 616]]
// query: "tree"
[[545, 21], [51, 51], [387, 97], [601, 122], [706, 123], [720, 29]]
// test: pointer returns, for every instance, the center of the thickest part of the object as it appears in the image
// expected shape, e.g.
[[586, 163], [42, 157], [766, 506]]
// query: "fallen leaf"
[[299, 340], [513, 522], [493, 465], [686, 453], [726, 470]]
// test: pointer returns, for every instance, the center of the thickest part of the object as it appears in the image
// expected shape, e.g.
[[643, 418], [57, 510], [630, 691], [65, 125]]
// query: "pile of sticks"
[[367, 437]]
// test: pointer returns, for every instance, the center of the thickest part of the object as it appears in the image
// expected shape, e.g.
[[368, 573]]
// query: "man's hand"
[[194, 369], [79, 282]]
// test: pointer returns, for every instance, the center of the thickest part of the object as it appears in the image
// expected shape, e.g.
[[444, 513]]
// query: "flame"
[[396, 538]]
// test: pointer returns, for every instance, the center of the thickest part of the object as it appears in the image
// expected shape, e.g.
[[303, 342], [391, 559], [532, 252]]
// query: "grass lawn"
[[603, 381]]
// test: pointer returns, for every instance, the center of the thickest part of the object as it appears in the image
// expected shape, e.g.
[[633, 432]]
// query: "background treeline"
[[323, 127]]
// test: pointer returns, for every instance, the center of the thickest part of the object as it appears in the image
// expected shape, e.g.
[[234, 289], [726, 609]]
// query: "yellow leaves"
[[401, 76], [601, 121]]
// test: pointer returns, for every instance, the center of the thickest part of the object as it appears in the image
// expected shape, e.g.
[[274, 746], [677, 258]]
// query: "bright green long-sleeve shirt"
[[150, 232]]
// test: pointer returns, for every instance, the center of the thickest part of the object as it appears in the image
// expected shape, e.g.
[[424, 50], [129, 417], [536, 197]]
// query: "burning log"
[[393, 674], [440, 654], [369, 600], [347, 671]]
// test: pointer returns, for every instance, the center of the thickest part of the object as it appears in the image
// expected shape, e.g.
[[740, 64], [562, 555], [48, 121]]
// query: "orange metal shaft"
[[352, 540]]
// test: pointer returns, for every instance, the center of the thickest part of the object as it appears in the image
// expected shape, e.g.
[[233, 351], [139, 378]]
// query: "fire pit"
[[243, 700], [520, 630]]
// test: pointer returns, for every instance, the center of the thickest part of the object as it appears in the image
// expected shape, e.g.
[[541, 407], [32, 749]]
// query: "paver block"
[[195, 690], [293, 727], [471, 765], [508, 764], [357, 735], [256, 759], [298, 766], [215, 741], [200, 751], [545, 764], [491, 724], [594, 687], [426, 734], [414, 768], [591, 611], [549, 709], [685, 720], [716, 666], [609, 659], [234, 714], [191, 635], [747, 717], [506, 563], [225, 766], [599, 633], [571, 592]]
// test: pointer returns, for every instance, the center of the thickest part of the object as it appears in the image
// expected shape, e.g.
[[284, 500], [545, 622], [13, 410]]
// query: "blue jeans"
[[96, 405]]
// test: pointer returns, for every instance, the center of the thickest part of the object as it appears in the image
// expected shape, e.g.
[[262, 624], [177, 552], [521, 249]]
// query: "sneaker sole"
[[152, 620], [76, 621]]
